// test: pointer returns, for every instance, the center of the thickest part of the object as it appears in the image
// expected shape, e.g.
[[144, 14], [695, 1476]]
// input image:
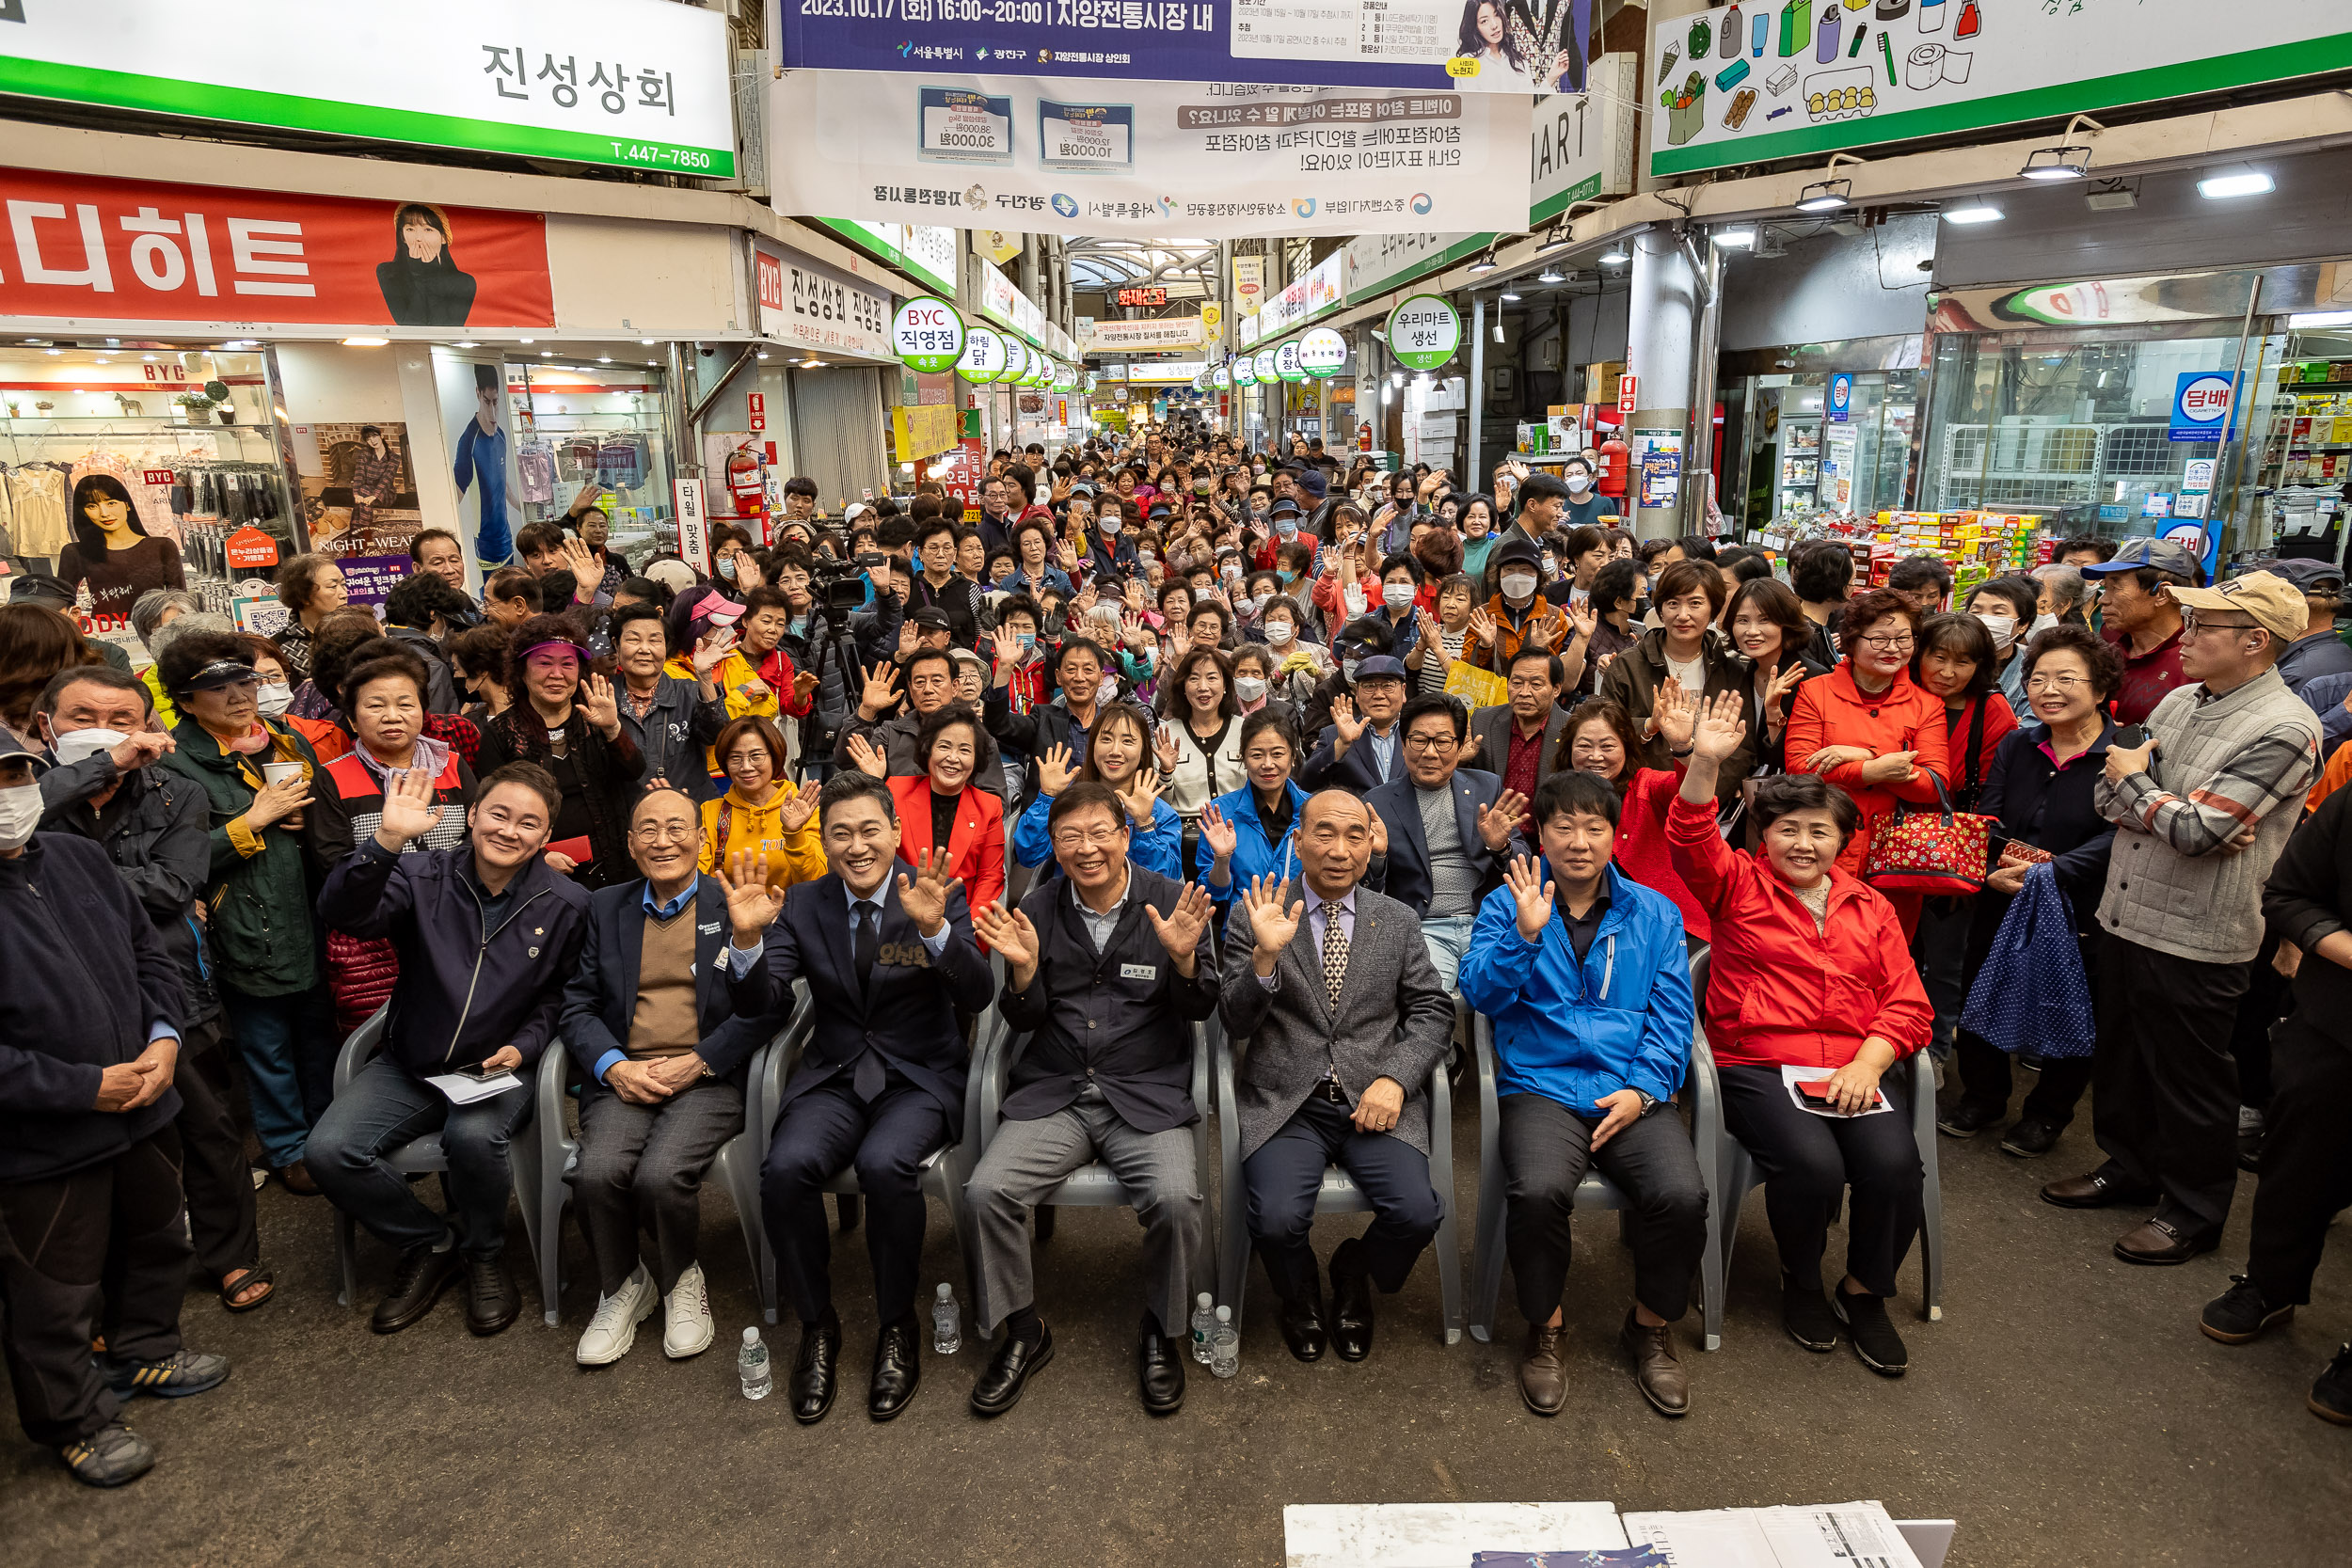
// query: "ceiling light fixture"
[[607, 359], [1508, 297], [2243, 181], [1735, 239], [1486, 264], [1551, 275], [365, 342], [2057, 163], [647, 341], [1975, 212], [466, 344], [1554, 242], [1827, 196]]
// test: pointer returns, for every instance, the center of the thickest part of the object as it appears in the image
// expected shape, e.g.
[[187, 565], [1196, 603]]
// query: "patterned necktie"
[[1334, 953]]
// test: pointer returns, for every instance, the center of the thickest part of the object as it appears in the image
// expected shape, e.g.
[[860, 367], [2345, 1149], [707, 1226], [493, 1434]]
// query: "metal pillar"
[[1698, 463], [1661, 322], [1467, 479]]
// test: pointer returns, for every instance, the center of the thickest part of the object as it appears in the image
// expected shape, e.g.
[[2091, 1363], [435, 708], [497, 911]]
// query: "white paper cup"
[[278, 772]]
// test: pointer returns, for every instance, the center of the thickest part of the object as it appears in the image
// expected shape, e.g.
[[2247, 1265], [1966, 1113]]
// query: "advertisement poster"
[[615, 81], [1212, 159], [1493, 46], [480, 423], [1141, 335], [358, 490], [812, 306], [1802, 79], [1657, 453], [86, 249], [369, 579]]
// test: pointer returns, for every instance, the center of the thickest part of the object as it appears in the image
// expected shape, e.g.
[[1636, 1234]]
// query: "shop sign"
[[1286, 363], [924, 252], [1657, 453], [805, 303], [1115, 336], [1004, 303], [1206, 158], [927, 334], [1321, 351], [1264, 368], [983, 358], [1364, 43], [1425, 331], [693, 524], [920, 429], [248, 548], [1246, 370], [1810, 79], [612, 81], [79, 248], [966, 470], [1838, 407], [1323, 288], [2200, 407]]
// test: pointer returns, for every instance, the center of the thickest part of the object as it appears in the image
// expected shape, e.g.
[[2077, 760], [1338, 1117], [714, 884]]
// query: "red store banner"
[[88, 250]]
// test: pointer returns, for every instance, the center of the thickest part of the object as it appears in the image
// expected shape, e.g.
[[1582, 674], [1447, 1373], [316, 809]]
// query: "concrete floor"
[[2065, 1410]]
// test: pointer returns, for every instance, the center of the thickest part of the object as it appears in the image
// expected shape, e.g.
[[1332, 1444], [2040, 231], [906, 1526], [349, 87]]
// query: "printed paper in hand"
[[462, 1091]]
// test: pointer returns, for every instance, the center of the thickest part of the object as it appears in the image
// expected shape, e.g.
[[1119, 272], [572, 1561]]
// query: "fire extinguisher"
[[1615, 457], [1363, 438], [747, 484]]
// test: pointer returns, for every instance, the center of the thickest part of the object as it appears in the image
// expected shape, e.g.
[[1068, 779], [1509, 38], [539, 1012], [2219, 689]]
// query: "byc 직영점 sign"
[[927, 333]]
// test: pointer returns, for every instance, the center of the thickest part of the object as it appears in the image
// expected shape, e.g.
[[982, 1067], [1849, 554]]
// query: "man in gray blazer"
[[1525, 730], [1337, 1016]]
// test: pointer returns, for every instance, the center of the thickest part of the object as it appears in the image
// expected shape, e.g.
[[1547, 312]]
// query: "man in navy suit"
[[888, 962], [1362, 747], [653, 1017], [1450, 830]]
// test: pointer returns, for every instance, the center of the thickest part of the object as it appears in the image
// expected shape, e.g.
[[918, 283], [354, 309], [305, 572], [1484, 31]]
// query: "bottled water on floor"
[[750, 1365], [1225, 1345], [1204, 1324], [947, 1321]]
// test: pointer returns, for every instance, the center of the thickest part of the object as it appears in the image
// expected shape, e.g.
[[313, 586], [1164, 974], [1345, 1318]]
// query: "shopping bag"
[[1917, 849], [2032, 993], [1478, 687]]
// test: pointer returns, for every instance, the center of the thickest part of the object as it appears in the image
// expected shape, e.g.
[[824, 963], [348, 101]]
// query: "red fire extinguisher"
[[1615, 457], [747, 481]]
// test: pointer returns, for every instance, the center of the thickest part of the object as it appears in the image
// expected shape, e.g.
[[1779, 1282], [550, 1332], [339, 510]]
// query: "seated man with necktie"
[[1337, 1016], [1107, 963], [888, 961], [651, 1017], [1362, 748]]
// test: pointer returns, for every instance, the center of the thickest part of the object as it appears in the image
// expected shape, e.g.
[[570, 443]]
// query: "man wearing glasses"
[[2141, 617], [1449, 832], [2200, 812]]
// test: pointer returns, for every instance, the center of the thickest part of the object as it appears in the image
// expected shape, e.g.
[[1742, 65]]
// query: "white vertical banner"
[[693, 531]]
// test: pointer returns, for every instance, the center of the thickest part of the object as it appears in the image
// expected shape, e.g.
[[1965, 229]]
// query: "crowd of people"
[[1171, 731]]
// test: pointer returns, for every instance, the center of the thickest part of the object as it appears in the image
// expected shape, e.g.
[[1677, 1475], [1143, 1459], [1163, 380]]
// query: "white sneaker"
[[686, 1327], [613, 1329]]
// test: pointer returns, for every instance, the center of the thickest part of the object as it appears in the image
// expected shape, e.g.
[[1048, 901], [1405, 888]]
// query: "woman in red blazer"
[[940, 804], [1809, 970]]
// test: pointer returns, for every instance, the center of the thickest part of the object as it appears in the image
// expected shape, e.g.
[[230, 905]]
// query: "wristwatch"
[[1649, 1101]]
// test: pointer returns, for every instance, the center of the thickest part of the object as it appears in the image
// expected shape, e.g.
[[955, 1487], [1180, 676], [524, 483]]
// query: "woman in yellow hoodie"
[[701, 613], [761, 811]]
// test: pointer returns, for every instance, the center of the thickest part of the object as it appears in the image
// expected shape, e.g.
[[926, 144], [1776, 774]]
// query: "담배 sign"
[[2200, 406], [927, 333], [1425, 331]]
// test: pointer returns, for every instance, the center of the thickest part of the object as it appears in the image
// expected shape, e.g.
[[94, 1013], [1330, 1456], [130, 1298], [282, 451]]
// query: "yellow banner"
[[923, 429]]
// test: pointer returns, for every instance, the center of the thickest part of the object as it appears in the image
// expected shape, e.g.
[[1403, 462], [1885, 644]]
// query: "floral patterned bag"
[[1915, 850]]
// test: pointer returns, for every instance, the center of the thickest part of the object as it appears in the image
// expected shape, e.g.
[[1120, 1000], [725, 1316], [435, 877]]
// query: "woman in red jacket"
[[1956, 665], [1600, 738], [1810, 971], [1867, 727], [938, 807]]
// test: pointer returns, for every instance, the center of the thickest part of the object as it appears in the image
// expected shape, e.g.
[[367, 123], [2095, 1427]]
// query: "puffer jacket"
[[731, 824], [1632, 680], [258, 883]]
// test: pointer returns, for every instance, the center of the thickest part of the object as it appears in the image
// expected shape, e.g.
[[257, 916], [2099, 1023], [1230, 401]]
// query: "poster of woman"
[[1541, 44], [112, 552], [422, 283]]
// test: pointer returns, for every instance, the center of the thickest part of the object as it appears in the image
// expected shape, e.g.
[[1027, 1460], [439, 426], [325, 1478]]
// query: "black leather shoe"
[[1351, 1305], [813, 1371], [1302, 1322], [492, 1302], [2097, 1190], [1008, 1370], [1160, 1370], [897, 1371], [423, 1276]]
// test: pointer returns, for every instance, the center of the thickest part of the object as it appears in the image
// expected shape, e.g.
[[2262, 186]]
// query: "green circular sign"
[[1018, 358], [1424, 332], [927, 334], [1221, 376], [1286, 363], [1246, 371], [983, 358], [1321, 351]]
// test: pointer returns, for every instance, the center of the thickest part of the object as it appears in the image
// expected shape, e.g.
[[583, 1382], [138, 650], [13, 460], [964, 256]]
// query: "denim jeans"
[[1447, 939], [289, 1045], [383, 1108]]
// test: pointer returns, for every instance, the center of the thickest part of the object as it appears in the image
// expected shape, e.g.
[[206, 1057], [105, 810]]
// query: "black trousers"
[[2307, 1160], [2165, 1088], [1286, 1172], [822, 1131], [1984, 1068], [1546, 1150], [101, 1251], [219, 1183], [1809, 1161], [2269, 998]]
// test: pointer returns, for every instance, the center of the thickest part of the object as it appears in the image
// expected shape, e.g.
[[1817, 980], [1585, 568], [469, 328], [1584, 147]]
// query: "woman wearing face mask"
[[730, 555], [477, 656], [1477, 527], [258, 775], [1250, 829], [1518, 616], [1770, 631], [277, 692], [1300, 665], [761, 813], [1118, 754], [1687, 648], [1587, 507], [1198, 744], [567, 719], [1811, 969], [938, 808], [1253, 679], [2008, 606]]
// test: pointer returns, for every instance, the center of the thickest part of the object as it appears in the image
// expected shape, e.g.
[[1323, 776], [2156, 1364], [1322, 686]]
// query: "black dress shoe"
[[1351, 1305], [492, 1302], [1160, 1370], [2096, 1189], [897, 1371], [813, 1364], [422, 1274], [1008, 1372], [1302, 1322]]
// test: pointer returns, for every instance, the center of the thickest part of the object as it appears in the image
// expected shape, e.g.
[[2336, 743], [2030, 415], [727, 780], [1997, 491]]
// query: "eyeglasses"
[[1886, 644], [2054, 683], [1428, 742], [2191, 624], [1077, 838], [663, 833]]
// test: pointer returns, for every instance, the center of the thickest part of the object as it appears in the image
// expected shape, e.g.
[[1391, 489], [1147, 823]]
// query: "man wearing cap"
[[2319, 651], [933, 627], [1362, 747], [2201, 813], [1517, 618], [2142, 618]]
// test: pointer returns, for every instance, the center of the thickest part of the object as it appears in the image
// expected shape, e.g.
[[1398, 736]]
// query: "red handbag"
[[1940, 851]]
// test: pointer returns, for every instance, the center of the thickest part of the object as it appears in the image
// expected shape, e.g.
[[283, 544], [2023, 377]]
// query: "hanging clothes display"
[[37, 495]]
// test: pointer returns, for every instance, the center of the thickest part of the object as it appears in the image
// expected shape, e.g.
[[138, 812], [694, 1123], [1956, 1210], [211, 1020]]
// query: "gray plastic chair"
[[943, 1171], [1597, 1191], [538, 1162], [1339, 1193]]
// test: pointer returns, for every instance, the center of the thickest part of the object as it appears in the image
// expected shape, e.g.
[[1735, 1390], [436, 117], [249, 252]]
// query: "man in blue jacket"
[[1585, 978], [91, 1234], [487, 935]]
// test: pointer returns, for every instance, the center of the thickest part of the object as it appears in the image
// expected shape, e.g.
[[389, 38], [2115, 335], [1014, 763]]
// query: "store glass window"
[[597, 430], [1801, 465]]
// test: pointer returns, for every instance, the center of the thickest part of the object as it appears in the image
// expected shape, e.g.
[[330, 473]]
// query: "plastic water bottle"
[[947, 1321], [1203, 1326], [750, 1365], [1225, 1345]]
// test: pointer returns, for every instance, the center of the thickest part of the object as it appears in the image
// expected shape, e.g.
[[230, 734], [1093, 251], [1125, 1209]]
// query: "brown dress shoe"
[[2097, 1190], [2157, 1242], [297, 1180], [1656, 1371], [1542, 1377]]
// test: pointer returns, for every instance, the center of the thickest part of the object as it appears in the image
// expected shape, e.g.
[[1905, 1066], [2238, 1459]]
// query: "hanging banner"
[[923, 429], [927, 334], [1249, 284], [1525, 46], [983, 358], [85, 250], [808, 304], [1809, 79], [1321, 288], [1209, 159], [1423, 332], [1136, 336]]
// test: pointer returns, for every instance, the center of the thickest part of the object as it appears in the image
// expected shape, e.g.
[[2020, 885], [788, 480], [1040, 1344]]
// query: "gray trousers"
[[642, 1167], [1028, 1159]]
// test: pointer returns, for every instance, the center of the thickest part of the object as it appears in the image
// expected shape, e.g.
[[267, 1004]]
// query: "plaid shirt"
[[2276, 767]]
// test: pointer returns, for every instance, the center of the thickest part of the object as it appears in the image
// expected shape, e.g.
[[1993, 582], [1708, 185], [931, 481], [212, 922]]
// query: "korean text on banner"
[[616, 81], [807, 303], [88, 249], [1476, 686], [1531, 46], [923, 429], [1210, 159]]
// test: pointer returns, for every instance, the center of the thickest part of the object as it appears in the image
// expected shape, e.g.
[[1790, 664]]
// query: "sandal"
[[243, 1281]]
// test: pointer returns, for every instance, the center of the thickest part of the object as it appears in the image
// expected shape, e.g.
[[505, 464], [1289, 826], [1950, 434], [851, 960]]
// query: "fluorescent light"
[[1976, 211], [2225, 188], [1615, 257], [365, 342], [526, 340], [1483, 264], [605, 360], [647, 341], [2319, 318], [466, 344], [55, 352], [547, 353], [1827, 196], [2057, 163], [1557, 243], [1508, 297], [1735, 239]]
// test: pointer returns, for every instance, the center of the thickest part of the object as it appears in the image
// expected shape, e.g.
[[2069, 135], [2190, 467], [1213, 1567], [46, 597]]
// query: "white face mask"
[[1518, 585], [1108, 690], [1397, 595], [1248, 688], [1231, 572], [1347, 668], [274, 699], [2045, 620], [1249, 605], [1277, 632], [2003, 627], [73, 745], [20, 812], [1109, 526], [1551, 566], [1579, 482]]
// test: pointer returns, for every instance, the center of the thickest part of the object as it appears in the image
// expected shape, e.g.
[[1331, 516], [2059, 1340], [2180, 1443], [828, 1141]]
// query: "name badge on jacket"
[[1138, 971]]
